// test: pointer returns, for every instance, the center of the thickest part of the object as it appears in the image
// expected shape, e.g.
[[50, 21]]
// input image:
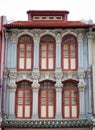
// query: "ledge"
[[47, 123]]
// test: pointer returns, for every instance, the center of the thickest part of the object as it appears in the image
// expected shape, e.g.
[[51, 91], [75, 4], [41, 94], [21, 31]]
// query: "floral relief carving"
[[80, 37], [13, 37], [58, 84], [35, 84], [82, 85], [12, 86]]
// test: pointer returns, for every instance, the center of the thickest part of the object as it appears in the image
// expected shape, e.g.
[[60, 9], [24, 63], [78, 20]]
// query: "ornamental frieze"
[[70, 75]]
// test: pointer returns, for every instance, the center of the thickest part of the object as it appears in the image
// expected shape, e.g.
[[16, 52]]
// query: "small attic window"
[[44, 17], [36, 17], [58, 17], [51, 17]]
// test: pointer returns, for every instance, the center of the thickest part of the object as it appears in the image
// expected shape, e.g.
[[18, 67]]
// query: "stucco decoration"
[[80, 37], [90, 34], [12, 86], [81, 75], [35, 75], [58, 37], [14, 37], [35, 84], [36, 37], [81, 85], [58, 84], [72, 75]]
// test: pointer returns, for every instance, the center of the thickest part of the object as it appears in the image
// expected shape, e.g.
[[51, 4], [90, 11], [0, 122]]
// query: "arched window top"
[[47, 84], [24, 84], [69, 38], [70, 84], [47, 38], [25, 38]]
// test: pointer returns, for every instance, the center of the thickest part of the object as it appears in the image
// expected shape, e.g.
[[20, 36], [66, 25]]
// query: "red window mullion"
[[70, 99], [47, 58], [23, 103]]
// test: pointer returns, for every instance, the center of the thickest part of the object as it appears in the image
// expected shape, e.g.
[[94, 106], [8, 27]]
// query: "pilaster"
[[12, 87], [89, 39], [82, 86], [80, 52], [35, 87], [58, 52], [36, 39], [58, 87]]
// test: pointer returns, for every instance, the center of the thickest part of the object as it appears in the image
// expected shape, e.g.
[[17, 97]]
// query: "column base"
[[34, 116], [58, 116], [11, 117], [58, 70], [82, 115], [35, 69]]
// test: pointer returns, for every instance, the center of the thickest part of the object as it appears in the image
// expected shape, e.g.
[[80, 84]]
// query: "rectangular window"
[[47, 54], [47, 103], [70, 103], [25, 53], [23, 106]]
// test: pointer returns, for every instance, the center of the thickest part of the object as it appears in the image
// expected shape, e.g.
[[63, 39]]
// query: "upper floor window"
[[47, 53], [47, 100], [70, 100], [23, 100], [69, 53], [25, 53]]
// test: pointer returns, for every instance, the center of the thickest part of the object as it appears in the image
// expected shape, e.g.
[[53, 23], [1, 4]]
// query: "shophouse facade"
[[48, 73]]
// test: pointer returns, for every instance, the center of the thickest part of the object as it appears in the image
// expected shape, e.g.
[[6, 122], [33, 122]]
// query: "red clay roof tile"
[[43, 24]]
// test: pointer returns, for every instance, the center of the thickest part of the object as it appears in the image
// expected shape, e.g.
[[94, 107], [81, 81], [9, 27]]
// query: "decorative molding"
[[12, 86], [58, 84], [35, 85], [35, 75], [59, 37], [70, 75], [13, 37], [81, 75], [89, 34], [80, 37], [81, 85], [47, 76]]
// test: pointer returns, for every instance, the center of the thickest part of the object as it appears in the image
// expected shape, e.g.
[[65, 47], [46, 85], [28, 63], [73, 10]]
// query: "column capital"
[[89, 35], [58, 38], [35, 85], [14, 38], [80, 37], [81, 85], [36, 37], [58, 84], [12, 85]]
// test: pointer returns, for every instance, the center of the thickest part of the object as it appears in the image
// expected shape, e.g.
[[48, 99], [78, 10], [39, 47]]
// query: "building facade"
[[48, 73]]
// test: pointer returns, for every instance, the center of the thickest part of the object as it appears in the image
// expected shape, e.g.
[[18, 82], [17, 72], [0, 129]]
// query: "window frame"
[[47, 90], [69, 52], [47, 43], [23, 104], [70, 97], [25, 57]]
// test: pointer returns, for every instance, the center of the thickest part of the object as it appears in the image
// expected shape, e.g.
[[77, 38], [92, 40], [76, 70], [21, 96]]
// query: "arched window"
[[23, 100], [25, 53], [47, 53], [70, 100], [69, 53], [47, 100]]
